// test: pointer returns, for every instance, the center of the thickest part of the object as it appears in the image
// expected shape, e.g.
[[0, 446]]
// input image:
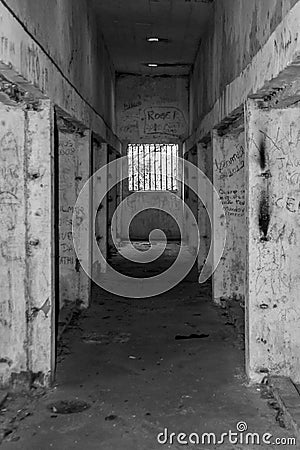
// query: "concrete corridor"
[[129, 361], [139, 120]]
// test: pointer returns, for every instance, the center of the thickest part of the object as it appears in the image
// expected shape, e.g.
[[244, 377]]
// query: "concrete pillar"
[[113, 198], [27, 244], [100, 160], [229, 181], [13, 298], [84, 172], [74, 171], [273, 233], [204, 153], [192, 202], [40, 242]]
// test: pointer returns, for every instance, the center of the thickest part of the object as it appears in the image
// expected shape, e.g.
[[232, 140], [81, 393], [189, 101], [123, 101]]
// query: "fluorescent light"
[[152, 65], [153, 39]]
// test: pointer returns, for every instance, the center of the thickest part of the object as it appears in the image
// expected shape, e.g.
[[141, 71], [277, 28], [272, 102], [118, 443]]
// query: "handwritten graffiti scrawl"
[[164, 120]]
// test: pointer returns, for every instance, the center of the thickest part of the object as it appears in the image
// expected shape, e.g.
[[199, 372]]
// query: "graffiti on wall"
[[10, 184], [164, 120], [232, 193]]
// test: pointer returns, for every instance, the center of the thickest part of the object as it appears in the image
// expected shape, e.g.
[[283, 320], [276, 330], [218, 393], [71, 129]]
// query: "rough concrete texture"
[[152, 109], [229, 181], [3, 397], [273, 270], [26, 237], [68, 31], [74, 171], [205, 164], [13, 229], [151, 219], [218, 95], [113, 199], [238, 31], [100, 158], [287, 395], [40, 222], [191, 200], [48, 59], [122, 358]]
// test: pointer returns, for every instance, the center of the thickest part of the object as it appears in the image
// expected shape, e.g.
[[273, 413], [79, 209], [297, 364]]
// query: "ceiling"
[[126, 24]]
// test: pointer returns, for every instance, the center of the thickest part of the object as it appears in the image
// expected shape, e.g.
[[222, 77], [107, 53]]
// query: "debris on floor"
[[68, 406], [108, 338], [191, 336]]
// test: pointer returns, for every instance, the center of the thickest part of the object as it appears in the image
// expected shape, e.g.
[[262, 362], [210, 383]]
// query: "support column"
[[13, 298], [273, 233], [84, 171], [112, 198], [192, 202], [204, 152], [39, 163], [27, 245], [229, 181], [100, 160], [74, 171]]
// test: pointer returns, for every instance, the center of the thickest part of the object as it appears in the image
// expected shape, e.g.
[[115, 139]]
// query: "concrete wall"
[[247, 47], [56, 47], [192, 201], [229, 181], [205, 164], [273, 310], [26, 264], [74, 171], [113, 197], [100, 159], [238, 31], [69, 32], [151, 109], [150, 219], [49, 50]]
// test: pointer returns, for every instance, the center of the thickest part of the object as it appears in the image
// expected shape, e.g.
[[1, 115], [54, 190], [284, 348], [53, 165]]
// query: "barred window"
[[152, 167]]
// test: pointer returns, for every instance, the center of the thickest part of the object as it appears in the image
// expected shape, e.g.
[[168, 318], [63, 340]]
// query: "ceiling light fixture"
[[153, 39], [152, 65]]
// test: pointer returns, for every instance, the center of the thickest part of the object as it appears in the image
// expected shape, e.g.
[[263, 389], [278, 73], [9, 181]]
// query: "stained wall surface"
[[151, 109], [273, 311], [229, 181], [74, 157], [100, 159], [151, 219], [69, 33], [205, 164], [25, 241], [239, 29]]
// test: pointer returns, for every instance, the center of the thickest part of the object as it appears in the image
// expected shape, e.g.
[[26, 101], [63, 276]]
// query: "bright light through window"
[[153, 167]]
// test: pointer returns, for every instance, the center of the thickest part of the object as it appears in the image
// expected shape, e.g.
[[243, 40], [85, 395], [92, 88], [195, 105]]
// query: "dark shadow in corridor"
[[144, 365]]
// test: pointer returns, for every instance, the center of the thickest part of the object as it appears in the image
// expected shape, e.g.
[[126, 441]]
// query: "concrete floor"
[[121, 356]]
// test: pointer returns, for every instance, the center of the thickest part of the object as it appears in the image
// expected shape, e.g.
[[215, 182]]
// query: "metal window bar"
[[130, 184], [161, 170], [152, 167]]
